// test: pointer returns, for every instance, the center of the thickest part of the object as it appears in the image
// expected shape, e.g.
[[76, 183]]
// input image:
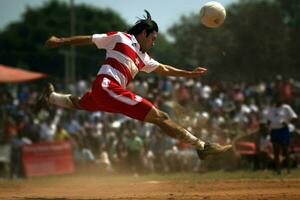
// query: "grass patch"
[[176, 177]]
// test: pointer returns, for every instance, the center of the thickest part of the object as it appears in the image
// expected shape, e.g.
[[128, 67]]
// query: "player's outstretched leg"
[[49, 96], [174, 130]]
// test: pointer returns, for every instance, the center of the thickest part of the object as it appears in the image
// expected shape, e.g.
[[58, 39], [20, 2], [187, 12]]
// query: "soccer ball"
[[212, 14]]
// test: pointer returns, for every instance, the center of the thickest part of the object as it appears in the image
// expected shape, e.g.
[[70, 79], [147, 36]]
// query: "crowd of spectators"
[[214, 110]]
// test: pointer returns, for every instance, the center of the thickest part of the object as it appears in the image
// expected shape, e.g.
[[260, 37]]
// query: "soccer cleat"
[[212, 149], [43, 99]]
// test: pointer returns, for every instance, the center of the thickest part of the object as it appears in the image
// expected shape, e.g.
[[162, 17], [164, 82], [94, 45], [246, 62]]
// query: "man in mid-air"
[[126, 55]]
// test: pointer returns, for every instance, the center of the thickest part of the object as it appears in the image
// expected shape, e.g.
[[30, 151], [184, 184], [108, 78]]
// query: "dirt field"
[[168, 187]]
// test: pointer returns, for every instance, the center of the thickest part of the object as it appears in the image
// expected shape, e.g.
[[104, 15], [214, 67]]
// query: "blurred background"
[[252, 59]]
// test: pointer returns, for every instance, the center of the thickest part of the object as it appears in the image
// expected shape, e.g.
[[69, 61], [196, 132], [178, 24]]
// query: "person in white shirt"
[[279, 117]]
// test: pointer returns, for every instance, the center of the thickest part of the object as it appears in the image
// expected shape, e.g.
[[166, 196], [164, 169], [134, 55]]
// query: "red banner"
[[245, 148], [47, 158]]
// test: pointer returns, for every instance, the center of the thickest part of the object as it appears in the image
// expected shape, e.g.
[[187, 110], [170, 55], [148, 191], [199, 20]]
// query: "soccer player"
[[126, 55]]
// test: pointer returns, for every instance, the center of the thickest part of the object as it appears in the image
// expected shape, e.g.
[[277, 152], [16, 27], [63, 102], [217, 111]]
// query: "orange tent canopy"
[[10, 74]]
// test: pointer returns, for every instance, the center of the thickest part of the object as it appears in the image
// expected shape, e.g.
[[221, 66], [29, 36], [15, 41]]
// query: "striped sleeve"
[[150, 64], [105, 40]]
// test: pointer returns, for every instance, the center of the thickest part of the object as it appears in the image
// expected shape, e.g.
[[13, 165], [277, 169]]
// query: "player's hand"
[[198, 71], [52, 42]]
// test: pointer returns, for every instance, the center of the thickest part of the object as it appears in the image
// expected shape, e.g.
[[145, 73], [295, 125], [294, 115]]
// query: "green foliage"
[[258, 30], [290, 10], [254, 42], [22, 43], [259, 39]]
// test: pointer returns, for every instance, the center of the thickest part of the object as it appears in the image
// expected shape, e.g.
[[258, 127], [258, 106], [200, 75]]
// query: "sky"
[[164, 12]]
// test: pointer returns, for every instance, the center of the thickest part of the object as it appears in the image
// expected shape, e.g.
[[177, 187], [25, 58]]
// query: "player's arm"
[[54, 42], [167, 70]]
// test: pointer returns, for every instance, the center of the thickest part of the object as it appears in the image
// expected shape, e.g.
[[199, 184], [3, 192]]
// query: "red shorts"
[[107, 95]]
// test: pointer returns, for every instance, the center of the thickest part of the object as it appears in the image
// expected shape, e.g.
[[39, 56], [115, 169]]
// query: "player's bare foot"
[[212, 149], [43, 99]]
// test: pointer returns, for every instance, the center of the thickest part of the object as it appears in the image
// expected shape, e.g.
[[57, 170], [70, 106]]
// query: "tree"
[[253, 43], [259, 33], [290, 10], [22, 43]]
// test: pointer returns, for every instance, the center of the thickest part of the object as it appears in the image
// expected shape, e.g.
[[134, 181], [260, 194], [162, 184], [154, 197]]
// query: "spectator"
[[135, 152], [47, 130], [103, 160], [61, 134], [217, 118], [262, 141], [279, 117]]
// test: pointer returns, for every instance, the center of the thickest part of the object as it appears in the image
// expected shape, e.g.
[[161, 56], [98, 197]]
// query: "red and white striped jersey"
[[123, 56]]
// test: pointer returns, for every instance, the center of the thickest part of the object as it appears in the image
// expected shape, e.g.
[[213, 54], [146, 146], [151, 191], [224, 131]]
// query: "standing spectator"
[[32, 128], [135, 146], [158, 147], [262, 141], [97, 134], [121, 152], [279, 117], [103, 159]]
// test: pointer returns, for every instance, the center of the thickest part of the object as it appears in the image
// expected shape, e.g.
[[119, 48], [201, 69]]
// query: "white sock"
[[191, 139], [61, 100], [200, 144]]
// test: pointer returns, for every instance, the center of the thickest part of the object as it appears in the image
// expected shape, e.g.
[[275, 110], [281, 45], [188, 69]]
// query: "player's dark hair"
[[144, 24]]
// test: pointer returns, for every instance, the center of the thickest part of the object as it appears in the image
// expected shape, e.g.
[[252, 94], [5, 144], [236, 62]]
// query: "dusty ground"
[[128, 187]]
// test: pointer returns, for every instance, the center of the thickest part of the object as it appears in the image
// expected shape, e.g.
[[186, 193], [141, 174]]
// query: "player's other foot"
[[212, 149], [43, 99]]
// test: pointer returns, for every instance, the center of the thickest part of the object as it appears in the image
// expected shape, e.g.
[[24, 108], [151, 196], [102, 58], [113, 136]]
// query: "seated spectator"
[[61, 134]]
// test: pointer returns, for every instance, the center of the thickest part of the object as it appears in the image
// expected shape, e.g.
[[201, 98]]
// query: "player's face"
[[148, 42]]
